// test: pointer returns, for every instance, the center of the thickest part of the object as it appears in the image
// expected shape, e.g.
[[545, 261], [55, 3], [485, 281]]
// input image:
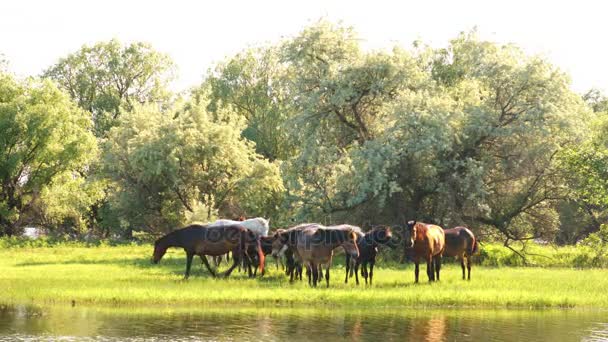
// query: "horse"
[[368, 249], [284, 244], [461, 243], [427, 241], [266, 245], [205, 240], [315, 247], [258, 225]]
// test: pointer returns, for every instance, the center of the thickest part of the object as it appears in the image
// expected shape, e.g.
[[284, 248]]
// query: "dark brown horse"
[[203, 240], [254, 260], [460, 242], [426, 241], [368, 244]]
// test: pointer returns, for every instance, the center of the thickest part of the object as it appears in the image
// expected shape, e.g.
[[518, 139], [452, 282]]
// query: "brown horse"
[[284, 243], [254, 260], [313, 244], [315, 247], [426, 241], [368, 250], [460, 242], [203, 240]]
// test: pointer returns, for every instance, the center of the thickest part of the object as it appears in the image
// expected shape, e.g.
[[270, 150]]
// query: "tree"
[[176, 167], [45, 143], [252, 85], [108, 77], [341, 96]]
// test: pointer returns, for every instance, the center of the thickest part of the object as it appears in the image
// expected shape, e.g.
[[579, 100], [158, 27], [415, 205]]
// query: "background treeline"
[[313, 128]]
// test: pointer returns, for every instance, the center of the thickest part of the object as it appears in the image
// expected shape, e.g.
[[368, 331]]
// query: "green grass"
[[124, 276]]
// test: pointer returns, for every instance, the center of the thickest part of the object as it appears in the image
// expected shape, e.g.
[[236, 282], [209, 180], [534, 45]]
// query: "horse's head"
[[382, 235], [160, 249], [410, 234], [349, 243], [279, 242]]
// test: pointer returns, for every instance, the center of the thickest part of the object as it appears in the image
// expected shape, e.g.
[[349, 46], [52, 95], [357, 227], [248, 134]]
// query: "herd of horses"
[[311, 246]]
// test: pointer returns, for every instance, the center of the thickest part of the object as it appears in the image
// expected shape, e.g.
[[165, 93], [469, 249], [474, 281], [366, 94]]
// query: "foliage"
[[172, 168], [45, 145], [108, 77], [252, 84]]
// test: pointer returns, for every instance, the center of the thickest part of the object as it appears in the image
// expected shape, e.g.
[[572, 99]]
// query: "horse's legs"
[[437, 266], [206, 263], [364, 271], [189, 257], [347, 268], [299, 270], [309, 274], [371, 271], [462, 266], [327, 274], [236, 261], [417, 269], [357, 272], [430, 271], [468, 266]]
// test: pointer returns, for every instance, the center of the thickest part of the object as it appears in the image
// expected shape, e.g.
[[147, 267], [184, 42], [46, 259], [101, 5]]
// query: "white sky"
[[196, 34]]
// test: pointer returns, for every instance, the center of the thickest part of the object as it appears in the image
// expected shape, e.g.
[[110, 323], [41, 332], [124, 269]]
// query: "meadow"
[[123, 275]]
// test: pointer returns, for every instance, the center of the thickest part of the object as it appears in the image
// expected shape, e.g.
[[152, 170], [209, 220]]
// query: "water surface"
[[274, 324]]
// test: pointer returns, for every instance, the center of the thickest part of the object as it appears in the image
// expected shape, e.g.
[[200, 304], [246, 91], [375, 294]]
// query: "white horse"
[[258, 225]]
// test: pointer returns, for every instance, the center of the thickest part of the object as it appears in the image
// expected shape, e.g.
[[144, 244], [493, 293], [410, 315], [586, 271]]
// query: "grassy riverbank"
[[123, 275]]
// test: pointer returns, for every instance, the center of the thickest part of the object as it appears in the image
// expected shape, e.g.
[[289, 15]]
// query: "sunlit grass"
[[124, 275]]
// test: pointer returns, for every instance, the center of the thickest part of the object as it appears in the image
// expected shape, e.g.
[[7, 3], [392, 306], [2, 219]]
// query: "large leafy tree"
[[108, 77], [467, 134], [45, 145], [169, 169], [252, 84], [340, 96]]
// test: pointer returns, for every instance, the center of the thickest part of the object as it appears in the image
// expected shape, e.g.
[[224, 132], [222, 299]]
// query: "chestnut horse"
[[204, 240], [368, 249], [460, 242], [426, 241]]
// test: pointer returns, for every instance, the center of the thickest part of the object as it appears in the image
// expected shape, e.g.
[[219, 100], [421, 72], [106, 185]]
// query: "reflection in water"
[[78, 324]]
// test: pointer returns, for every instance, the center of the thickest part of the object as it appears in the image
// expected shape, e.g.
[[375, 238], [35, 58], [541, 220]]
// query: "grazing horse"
[[461, 243], [205, 240], [368, 249], [266, 245], [315, 247], [258, 225], [427, 241]]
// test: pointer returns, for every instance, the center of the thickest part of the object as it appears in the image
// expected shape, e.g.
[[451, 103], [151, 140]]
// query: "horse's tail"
[[474, 246], [260, 255]]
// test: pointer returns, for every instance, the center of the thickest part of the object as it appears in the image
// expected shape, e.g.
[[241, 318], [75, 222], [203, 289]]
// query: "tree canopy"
[[315, 128]]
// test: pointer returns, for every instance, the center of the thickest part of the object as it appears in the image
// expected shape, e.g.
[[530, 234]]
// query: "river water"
[[29, 323]]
